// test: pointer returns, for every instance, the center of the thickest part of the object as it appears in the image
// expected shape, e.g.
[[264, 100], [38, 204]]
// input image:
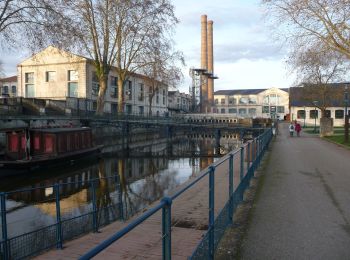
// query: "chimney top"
[[204, 18]]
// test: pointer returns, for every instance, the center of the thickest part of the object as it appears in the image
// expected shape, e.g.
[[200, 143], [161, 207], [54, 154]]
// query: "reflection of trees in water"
[[103, 195], [143, 192]]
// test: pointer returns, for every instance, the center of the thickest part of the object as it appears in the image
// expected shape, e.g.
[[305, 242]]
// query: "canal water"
[[115, 186]]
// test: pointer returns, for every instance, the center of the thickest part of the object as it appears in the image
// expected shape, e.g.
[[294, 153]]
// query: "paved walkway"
[[303, 210]]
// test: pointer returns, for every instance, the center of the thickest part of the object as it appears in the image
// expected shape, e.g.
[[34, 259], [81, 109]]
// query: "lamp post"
[[315, 104], [304, 116], [346, 125]]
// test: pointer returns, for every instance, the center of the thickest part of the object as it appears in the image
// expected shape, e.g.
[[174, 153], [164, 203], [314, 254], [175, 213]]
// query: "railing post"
[[56, 189], [241, 174], [211, 211], [248, 155], [166, 228], [230, 189], [94, 208], [4, 226]]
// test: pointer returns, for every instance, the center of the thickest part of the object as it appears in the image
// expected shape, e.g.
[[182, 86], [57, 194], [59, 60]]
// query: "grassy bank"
[[339, 139]]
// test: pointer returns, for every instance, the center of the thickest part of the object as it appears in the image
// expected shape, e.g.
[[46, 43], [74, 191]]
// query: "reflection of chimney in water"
[[204, 61], [210, 65]]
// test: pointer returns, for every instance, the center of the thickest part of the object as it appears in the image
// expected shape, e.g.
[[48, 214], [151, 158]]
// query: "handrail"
[[93, 252], [265, 138]]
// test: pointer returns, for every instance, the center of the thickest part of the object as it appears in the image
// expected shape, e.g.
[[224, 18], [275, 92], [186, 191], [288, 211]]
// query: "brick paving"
[[189, 224]]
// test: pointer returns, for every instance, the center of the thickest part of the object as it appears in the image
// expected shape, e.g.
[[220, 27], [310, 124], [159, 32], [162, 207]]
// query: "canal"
[[113, 187]]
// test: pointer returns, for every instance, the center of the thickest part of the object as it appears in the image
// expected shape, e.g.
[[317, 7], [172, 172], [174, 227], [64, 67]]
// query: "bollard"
[[56, 189], [94, 208], [211, 211], [230, 190], [4, 225], [166, 228]]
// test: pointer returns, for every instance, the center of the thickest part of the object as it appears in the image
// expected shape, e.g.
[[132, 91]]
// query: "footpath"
[[302, 210]]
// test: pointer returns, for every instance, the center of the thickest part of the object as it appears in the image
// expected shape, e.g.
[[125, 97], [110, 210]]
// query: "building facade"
[[57, 74], [8, 87], [179, 102], [253, 103], [307, 111]]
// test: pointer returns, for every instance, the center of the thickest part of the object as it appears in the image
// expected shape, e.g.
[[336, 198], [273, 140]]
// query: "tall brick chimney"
[[204, 63], [210, 65]]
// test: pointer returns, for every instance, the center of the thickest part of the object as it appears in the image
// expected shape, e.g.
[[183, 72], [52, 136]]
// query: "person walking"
[[291, 129], [297, 128]]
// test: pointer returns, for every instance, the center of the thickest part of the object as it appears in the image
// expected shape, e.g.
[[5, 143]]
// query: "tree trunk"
[[120, 94], [150, 99], [101, 94]]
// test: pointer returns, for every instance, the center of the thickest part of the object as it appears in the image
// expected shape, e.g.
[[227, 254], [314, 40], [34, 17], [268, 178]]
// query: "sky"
[[245, 52]]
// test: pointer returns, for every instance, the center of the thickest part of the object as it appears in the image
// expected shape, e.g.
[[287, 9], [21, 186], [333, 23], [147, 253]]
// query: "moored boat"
[[31, 149]]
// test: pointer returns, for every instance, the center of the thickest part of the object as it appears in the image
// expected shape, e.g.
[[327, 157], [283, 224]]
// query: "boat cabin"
[[24, 143]]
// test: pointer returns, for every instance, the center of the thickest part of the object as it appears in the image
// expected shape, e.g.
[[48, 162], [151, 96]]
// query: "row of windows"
[[252, 111], [5, 90], [271, 99], [338, 114]]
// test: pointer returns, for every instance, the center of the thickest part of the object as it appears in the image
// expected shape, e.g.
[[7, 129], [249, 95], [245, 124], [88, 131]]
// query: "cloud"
[[252, 51]]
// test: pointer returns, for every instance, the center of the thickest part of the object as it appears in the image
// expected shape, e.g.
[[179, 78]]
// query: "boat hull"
[[18, 167]]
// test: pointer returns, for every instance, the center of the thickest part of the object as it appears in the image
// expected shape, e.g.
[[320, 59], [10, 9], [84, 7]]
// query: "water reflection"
[[114, 188]]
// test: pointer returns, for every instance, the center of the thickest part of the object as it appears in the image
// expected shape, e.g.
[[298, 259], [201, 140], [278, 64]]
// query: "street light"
[[315, 104], [346, 125]]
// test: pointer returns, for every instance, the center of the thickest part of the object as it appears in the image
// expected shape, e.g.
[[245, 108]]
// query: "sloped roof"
[[298, 97], [9, 79], [243, 91]]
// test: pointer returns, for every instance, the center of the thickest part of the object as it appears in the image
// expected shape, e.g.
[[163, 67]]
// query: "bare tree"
[[317, 68], [313, 21], [26, 19], [163, 68], [140, 22]]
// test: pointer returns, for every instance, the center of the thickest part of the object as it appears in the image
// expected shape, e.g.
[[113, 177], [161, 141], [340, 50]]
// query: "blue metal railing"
[[63, 226], [216, 227]]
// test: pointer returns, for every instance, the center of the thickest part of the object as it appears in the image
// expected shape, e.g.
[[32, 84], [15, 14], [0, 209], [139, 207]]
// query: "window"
[[114, 86], [301, 114], [128, 109], [232, 100], [223, 101], [72, 89], [252, 100], [95, 88], [339, 114], [216, 101], [232, 110], [163, 100], [266, 100], [29, 84], [252, 111], [72, 75], [72, 83], [14, 90], [265, 109], [327, 114], [29, 78], [242, 111], [128, 91], [141, 93], [223, 111], [141, 110], [5, 90], [50, 76], [243, 100], [313, 114], [280, 109], [273, 99], [157, 99]]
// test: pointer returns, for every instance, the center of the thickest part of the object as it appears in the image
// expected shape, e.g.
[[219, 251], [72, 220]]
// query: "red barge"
[[31, 149]]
